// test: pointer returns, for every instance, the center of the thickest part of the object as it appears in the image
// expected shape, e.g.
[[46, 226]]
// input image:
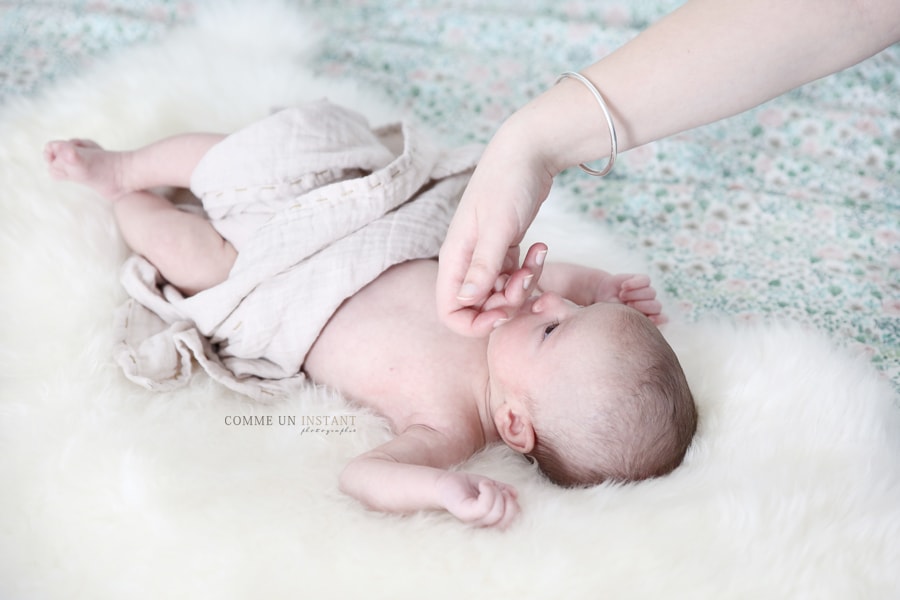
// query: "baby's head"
[[591, 393]]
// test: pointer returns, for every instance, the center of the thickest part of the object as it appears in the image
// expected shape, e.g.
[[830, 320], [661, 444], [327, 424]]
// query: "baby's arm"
[[409, 474], [582, 285], [585, 285]]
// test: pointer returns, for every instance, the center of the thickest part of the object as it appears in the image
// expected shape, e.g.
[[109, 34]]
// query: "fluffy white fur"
[[791, 489]]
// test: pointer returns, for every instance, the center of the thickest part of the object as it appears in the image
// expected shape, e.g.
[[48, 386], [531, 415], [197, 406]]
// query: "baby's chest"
[[392, 368], [392, 356]]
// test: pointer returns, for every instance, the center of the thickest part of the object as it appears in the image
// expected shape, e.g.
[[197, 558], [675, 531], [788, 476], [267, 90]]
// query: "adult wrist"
[[607, 117], [519, 145], [567, 127]]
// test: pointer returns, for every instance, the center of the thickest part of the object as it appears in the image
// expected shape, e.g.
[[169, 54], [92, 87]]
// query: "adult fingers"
[[490, 258], [459, 298], [473, 322], [522, 282]]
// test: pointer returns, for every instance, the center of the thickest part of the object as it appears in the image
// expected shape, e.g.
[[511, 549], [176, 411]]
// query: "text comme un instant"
[[290, 420]]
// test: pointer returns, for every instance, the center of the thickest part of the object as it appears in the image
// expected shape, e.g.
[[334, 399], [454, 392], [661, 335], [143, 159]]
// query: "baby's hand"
[[632, 290], [478, 500], [513, 289]]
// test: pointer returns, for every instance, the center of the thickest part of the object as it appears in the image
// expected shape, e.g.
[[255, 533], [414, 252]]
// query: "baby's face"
[[549, 342]]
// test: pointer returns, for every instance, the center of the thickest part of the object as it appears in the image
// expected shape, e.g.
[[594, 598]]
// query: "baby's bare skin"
[[384, 348], [85, 162], [182, 245]]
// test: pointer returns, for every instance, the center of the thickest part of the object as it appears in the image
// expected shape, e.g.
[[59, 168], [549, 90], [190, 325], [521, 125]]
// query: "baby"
[[576, 377]]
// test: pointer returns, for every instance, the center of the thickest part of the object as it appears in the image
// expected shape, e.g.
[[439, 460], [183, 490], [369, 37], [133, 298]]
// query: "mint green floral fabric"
[[41, 42], [788, 212]]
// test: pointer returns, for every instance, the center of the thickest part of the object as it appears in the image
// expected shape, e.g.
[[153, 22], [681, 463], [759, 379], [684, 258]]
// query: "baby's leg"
[[185, 247], [168, 162]]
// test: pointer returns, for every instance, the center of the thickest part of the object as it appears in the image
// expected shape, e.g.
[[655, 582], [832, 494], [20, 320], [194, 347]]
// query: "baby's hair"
[[635, 422]]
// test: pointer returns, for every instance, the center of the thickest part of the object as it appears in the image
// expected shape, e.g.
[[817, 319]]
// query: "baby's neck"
[[485, 404], [405, 364]]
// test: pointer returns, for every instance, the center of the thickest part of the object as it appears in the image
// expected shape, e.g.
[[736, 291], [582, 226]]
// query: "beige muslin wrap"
[[317, 204]]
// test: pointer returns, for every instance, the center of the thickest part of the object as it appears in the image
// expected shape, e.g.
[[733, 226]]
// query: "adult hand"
[[511, 291], [482, 244]]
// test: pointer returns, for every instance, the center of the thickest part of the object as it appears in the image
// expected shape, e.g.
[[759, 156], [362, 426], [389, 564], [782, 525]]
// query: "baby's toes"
[[67, 153], [63, 160], [55, 164], [83, 143], [51, 150]]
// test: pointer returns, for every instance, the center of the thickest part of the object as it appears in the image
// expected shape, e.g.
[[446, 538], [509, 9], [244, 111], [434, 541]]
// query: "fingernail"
[[527, 281], [467, 291], [539, 259], [499, 322]]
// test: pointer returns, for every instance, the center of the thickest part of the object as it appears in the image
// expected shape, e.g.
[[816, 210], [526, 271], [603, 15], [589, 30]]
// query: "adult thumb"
[[489, 259]]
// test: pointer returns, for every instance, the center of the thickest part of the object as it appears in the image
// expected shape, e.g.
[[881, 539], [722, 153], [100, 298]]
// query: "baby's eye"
[[549, 329]]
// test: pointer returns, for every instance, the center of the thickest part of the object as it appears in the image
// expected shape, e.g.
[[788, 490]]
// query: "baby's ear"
[[514, 425]]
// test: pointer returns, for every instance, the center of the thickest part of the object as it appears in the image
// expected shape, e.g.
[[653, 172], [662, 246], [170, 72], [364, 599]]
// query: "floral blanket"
[[788, 212]]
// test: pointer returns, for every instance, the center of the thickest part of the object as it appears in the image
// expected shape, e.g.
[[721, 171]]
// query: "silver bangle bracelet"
[[613, 143]]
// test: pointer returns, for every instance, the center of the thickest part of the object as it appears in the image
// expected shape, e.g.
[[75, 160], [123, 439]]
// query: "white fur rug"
[[791, 489]]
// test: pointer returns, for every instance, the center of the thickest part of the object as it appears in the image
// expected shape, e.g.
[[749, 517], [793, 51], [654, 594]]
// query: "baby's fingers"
[[650, 308], [643, 293], [511, 509], [659, 319], [499, 502], [633, 282]]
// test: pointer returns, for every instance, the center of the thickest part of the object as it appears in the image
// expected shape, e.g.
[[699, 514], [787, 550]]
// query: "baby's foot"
[[85, 162]]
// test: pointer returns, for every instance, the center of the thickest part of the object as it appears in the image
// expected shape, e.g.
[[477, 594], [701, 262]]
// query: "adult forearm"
[[708, 60]]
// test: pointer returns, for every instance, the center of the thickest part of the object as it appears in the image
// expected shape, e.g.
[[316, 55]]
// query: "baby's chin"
[[493, 333], [501, 325], [493, 338]]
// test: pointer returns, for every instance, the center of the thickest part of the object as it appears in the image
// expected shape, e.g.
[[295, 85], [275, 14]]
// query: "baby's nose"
[[527, 307], [547, 301]]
